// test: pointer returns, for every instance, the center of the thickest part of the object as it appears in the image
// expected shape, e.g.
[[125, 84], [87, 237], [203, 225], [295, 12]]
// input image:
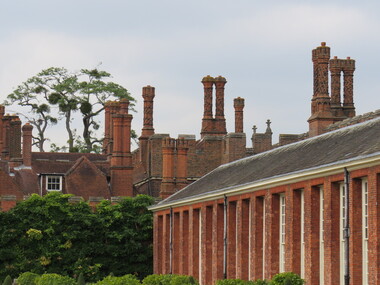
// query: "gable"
[[86, 180]]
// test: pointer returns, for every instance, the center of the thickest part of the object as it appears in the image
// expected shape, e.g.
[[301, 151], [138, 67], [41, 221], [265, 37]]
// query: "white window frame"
[[282, 224], [321, 237], [57, 183], [365, 230], [342, 218], [302, 261]]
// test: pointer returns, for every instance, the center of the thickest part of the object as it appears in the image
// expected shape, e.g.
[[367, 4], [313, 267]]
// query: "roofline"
[[290, 178]]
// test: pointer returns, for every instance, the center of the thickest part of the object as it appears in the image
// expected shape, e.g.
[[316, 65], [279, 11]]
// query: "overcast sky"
[[263, 48]]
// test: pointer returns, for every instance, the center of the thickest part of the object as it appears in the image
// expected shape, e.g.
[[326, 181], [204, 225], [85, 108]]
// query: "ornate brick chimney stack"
[[148, 93], [220, 121], [321, 115], [121, 160], [182, 149], [11, 137], [335, 70], [27, 144], [110, 109], [348, 67], [2, 111], [207, 121], [239, 106], [168, 182]]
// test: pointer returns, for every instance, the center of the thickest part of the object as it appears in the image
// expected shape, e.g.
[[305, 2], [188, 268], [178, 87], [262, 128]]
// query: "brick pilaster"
[[206, 245], [312, 231], [374, 227], [293, 230], [331, 232], [257, 238], [242, 242], [272, 212], [185, 242], [194, 241], [356, 223], [231, 240], [176, 258]]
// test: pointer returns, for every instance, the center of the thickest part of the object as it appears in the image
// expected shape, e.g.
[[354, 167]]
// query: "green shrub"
[[260, 282], [231, 282], [158, 279], [8, 280], [289, 277], [27, 278], [124, 280], [81, 280], [183, 280], [55, 279]]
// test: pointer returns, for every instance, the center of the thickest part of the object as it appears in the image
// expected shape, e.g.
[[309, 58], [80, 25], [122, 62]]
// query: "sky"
[[262, 48]]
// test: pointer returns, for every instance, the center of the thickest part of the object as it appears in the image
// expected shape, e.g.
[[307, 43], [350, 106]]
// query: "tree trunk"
[[69, 131]]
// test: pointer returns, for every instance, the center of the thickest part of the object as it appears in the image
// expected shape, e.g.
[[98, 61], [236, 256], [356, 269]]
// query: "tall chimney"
[[348, 88], [321, 115], [220, 121], [148, 95], [2, 111], [207, 121], [27, 144], [168, 183], [182, 149], [335, 70], [121, 160], [239, 106]]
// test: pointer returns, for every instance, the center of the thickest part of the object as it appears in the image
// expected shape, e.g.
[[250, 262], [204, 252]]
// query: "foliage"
[[281, 278], [158, 279], [27, 278], [183, 280], [260, 282], [50, 235], [124, 280], [233, 282], [55, 279], [81, 280], [85, 92], [8, 280]]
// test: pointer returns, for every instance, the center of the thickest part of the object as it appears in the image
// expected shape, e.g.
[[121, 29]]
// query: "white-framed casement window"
[[321, 237], [282, 233], [365, 229], [53, 183], [342, 220], [302, 234]]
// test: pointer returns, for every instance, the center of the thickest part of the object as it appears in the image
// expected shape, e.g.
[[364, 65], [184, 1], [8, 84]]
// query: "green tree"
[[51, 235], [85, 91], [8, 280]]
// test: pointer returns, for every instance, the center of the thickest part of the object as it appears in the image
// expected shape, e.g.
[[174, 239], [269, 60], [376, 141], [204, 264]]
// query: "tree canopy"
[[56, 93], [51, 235]]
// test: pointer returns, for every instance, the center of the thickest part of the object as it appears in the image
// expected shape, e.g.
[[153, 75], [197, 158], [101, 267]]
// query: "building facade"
[[287, 208]]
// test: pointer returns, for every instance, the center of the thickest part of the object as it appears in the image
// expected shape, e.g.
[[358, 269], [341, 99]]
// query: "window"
[[282, 232], [365, 229], [321, 238], [53, 183]]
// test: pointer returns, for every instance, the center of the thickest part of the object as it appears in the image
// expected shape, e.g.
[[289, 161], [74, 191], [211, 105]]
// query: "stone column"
[[239, 106]]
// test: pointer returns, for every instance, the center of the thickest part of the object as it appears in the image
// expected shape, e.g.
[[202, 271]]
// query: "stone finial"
[[268, 130]]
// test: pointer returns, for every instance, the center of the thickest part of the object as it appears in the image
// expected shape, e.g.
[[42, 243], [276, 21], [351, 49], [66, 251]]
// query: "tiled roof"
[[348, 143]]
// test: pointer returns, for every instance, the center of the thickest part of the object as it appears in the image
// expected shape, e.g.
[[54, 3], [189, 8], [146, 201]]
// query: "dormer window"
[[53, 183]]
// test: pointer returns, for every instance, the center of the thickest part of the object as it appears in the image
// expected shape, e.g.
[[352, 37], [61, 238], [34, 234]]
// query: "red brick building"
[[285, 209]]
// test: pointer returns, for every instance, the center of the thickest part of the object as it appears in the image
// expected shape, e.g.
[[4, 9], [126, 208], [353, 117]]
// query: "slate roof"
[[60, 163], [349, 143]]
